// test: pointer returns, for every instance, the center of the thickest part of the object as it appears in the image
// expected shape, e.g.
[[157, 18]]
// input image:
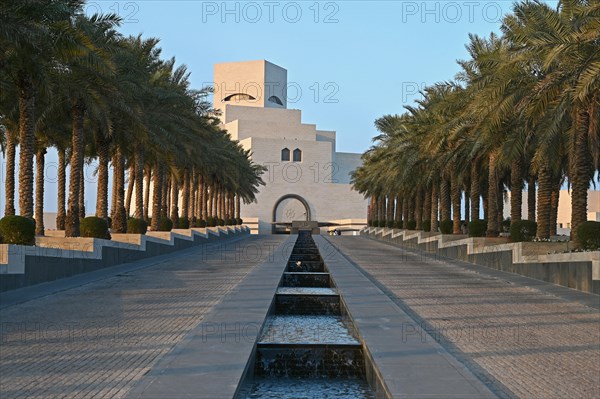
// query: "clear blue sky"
[[354, 61]]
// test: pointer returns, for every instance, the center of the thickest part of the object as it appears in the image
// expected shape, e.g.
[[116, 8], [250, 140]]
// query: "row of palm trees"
[[73, 82], [524, 108]]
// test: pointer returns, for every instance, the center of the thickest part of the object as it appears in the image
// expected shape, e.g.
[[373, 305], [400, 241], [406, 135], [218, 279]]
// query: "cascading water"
[[308, 347]]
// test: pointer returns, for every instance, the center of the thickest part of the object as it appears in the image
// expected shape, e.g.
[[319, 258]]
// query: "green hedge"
[[17, 230], [506, 226], [390, 224], [522, 230], [477, 228], [411, 224], [588, 235], [137, 226], [94, 227], [201, 223], [184, 223], [165, 224], [220, 222], [375, 223], [426, 225], [446, 226], [240, 221]]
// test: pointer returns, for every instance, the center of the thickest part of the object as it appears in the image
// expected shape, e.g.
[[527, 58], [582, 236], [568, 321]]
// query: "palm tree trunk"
[[554, 206], [61, 214], [381, 207], [82, 195], [405, 211], [174, 201], [11, 150], [372, 209], [434, 207], [39, 190], [500, 203], [419, 209], [139, 183], [516, 190], [156, 196], [210, 202], [445, 203], [201, 198], [581, 173], [147, 194], [102, 190], [185, 198], [531, 195], [238, 207], [164, 211], [492, 227], [72, 225], [475, 192], [192, 200], [113, 201], [427, 206], [130, 187], [456, 197], [205, 214], [544, 202], [26, 148], [119, 223]]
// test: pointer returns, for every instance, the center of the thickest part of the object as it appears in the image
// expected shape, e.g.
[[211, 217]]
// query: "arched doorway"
[[288, 208]]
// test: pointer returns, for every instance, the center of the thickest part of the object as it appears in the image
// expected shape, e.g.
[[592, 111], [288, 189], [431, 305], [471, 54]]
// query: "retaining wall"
[[577, 270], [54, 258]]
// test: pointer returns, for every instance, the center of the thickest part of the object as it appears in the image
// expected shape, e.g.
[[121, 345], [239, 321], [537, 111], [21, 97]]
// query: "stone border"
[[524, 257], [54, 257]]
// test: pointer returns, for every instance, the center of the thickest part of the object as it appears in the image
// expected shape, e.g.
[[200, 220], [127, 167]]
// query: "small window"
[[275, 99], [285, 154], [297, 155]]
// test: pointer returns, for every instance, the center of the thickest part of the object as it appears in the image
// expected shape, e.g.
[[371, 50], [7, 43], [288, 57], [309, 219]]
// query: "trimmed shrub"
[[477, 228], [522, 230], [446, 226], [184, 223], [426, 225], [17, 230], [240, 221], [165, 224], [390, 224], [211, 221], [411, 224], [137, 226], [220, 222], [201, 223], [94, 227], [398, 225], [588, 235]]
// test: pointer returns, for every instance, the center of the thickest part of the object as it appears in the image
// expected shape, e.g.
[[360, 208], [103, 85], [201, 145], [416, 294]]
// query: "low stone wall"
[[55, 257], [541, 261]]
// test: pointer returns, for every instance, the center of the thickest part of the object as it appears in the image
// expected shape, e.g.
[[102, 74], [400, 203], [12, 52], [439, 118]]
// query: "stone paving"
[[99, 339], [529, 343]]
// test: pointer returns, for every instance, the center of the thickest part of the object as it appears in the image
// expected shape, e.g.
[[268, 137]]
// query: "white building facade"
[[306, 179]]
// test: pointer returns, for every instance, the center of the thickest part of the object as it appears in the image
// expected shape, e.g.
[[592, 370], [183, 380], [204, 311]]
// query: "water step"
[[308, 329], [310, 361], [306, 266], [307, 304], [306, 279], [277, 388], [306, 291]]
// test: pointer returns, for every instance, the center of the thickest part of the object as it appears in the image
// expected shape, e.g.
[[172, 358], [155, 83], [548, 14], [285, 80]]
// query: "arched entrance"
[[288, 208]]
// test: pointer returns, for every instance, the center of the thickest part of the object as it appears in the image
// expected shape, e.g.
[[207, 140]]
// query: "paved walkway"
[[98, 340], [525, 342]]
